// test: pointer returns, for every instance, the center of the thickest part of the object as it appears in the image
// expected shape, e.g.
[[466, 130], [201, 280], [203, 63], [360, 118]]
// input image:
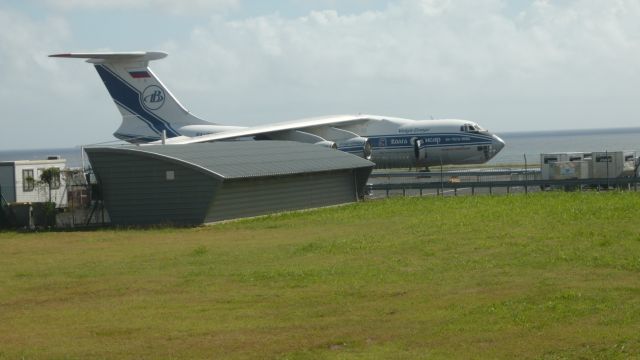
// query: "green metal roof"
[[244, 159]]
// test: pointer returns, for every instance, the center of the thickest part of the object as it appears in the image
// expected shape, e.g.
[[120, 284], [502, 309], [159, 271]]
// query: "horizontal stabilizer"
[[115, 56]]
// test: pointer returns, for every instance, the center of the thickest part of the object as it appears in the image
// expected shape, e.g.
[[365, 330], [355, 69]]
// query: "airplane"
[[152, 114]]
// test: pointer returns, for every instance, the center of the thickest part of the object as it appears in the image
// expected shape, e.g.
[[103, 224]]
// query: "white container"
[[550, 171], [612, 164], [564, 170]]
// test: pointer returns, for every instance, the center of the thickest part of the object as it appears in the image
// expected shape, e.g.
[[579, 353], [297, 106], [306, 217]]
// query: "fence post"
[[526, 174], [441, 176], [635, 174], [606, 156]]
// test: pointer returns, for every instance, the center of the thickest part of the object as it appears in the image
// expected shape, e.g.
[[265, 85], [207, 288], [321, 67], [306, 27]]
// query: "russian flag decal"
[[139, 74]]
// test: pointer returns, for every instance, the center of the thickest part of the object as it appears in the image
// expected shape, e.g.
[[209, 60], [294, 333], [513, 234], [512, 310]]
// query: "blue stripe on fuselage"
[[129, 98], [428, 140]]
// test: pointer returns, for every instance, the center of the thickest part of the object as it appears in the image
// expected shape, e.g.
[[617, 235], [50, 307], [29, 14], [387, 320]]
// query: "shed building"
[[19, 181], [202, 183]]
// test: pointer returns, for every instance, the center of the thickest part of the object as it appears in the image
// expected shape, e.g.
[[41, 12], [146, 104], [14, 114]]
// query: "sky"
[[508, 65]]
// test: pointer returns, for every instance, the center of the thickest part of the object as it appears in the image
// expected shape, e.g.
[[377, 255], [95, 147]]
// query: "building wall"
[[259, 196], [40, 192], [7, 182], [139, 190]]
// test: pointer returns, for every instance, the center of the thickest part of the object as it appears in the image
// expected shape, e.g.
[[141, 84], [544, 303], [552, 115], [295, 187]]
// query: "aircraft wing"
[[296, 125], [115, 56]]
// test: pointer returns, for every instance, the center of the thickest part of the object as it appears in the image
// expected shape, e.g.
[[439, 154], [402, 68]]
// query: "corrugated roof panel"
[[242, 159]]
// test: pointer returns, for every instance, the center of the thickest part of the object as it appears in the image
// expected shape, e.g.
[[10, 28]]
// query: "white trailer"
[[566, 165], [20, 181], [612, 164], [565, 170]]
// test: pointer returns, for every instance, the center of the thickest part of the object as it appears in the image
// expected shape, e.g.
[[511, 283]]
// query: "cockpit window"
[[472, 128]]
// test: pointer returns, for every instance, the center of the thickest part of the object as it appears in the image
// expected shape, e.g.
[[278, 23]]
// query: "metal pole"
[[526, 174], [82, 158], [73, 208], [606, 156], [635, 172], [441, 176]]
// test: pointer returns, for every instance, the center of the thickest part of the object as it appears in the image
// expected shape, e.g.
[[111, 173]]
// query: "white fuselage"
[[397, 142]]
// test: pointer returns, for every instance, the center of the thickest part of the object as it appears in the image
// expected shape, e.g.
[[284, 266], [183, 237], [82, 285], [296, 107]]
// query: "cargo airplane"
[[151, 114]]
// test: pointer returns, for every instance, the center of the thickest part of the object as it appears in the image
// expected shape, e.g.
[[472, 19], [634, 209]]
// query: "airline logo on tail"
[[152, 97]]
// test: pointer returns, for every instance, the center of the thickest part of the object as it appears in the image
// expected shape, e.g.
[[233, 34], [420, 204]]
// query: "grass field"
[[548, 276]]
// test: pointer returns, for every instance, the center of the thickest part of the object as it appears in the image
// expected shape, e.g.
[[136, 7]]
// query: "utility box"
[[612, 164]]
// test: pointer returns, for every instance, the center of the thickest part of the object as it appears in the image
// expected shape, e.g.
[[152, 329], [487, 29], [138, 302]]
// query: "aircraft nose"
[[497, 143]]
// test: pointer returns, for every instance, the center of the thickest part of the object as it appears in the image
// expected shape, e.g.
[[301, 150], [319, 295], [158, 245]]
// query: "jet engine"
[[358, 146], [326, 143]]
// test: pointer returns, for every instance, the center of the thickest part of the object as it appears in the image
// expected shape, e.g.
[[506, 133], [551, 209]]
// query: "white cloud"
[[169, 6], [549, 65], [44, 102], [21, 41], [453, 58]]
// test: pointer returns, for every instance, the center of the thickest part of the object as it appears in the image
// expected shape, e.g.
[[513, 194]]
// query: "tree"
[[51, 177]]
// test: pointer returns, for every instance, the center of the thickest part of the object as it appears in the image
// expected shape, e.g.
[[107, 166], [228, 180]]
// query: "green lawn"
[[548, 275]]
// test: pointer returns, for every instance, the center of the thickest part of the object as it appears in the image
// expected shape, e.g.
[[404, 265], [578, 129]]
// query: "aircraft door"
[[419, 150]]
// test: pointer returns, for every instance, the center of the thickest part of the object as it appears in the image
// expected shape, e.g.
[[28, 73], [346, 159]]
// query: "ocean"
[[72, 155], [532, 144], [518, 144]]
